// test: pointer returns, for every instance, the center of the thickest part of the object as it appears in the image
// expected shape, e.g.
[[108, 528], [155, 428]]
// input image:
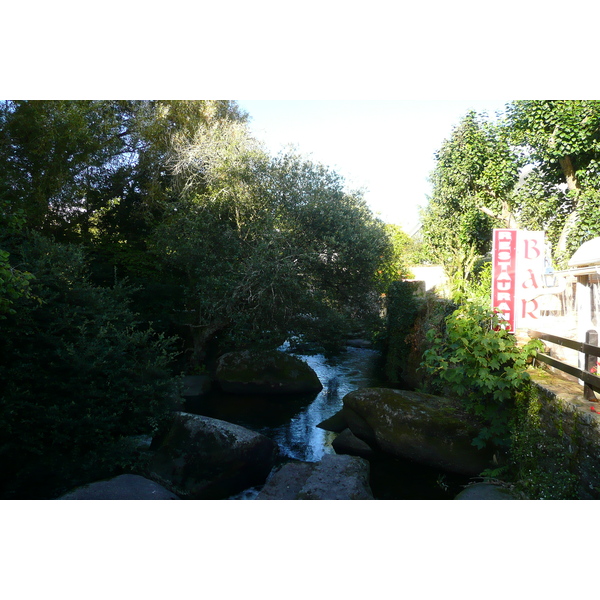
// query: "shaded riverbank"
[[291, 421]]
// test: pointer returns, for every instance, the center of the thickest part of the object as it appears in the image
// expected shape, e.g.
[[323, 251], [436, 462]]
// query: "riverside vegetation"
[[142, 240], [544, 448]]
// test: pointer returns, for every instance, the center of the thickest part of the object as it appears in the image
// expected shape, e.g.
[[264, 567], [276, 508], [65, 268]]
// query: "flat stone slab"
[[286, 482], [568, 393], [123, 487], [335, 477]]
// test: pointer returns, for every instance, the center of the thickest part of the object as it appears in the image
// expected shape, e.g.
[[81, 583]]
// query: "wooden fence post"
[[591, 337]]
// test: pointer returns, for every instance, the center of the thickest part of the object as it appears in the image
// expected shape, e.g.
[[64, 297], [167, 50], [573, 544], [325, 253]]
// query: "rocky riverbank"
[[201, 457]]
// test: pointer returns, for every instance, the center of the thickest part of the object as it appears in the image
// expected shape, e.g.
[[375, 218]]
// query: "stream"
[[291, 421]]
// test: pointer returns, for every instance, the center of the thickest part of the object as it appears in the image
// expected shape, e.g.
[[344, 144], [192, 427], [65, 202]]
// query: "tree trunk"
[[566, 164], [201, 335], [506, 215], [569, 172]]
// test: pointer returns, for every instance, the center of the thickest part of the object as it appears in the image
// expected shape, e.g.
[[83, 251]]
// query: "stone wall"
[[560, 437]]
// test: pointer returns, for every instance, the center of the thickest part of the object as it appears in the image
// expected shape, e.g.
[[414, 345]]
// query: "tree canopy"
[[141, 239], [536, 167]]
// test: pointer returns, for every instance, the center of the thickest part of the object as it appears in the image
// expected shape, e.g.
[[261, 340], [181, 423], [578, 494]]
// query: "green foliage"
[[542, 458], [479, 362], [587, 220], [268, 248], [480, 286], [224, 247], [13, 284], [78, 376], [397, 262], [223, 241], [475, 171], [402, 309], [537, 168], [548, 130], [541, 205]]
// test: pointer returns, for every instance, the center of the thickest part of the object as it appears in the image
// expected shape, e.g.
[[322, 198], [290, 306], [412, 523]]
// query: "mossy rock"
[[204, 458], [265, 372], [427, 429]]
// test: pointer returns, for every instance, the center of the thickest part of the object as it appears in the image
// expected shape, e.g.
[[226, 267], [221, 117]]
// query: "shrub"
[[480, 363], [78, 376], [402, 310]]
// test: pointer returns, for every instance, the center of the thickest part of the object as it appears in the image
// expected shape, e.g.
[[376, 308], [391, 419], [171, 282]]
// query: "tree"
[[476, 171], [14, 282], [561, 140], [179, 199], [537, 168], [76, 165], [266, 247], [396, 265]]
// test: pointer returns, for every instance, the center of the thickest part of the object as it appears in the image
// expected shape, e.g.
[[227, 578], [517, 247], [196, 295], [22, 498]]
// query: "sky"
[[386, 147]]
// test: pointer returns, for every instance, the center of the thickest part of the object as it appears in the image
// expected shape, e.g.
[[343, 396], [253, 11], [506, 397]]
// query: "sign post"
[[504, 256], [518, 263]]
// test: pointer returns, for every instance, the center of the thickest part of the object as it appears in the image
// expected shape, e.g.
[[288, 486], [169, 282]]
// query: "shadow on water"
[[291, 421], [395, 479]]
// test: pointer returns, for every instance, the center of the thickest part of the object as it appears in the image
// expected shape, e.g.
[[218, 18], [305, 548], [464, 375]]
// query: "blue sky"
[[384, 146]]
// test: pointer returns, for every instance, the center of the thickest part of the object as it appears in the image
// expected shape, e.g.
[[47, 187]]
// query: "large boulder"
[[123, 487], [265, 372], [200, 457], [427, 429], [332, 478]]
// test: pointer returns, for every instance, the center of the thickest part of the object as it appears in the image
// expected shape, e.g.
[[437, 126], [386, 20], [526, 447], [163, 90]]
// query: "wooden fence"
[[590, 350]]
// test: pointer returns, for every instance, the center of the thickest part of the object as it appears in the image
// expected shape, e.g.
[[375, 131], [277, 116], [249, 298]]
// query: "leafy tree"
[[73, 166], [396, 265], [476, 171], [14, 283], [266, 247], [561, 139], [537, 168]]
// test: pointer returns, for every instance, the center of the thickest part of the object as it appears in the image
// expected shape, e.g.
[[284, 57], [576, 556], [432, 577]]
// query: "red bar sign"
[[503, 275]]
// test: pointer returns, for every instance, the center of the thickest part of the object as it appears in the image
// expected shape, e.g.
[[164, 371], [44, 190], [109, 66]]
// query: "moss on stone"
[[425, 428], [265, 372]]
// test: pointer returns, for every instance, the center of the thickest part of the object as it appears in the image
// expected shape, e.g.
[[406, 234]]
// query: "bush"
[[78, 376], [402, 310], [480, 363]]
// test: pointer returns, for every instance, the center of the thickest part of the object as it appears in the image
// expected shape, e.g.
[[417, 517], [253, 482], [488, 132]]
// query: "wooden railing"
[[590, 350]]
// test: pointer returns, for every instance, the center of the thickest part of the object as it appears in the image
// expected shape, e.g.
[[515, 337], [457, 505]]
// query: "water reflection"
[[291, 421]]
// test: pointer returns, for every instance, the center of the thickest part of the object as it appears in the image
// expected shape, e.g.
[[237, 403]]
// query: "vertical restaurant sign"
[[517, 267]]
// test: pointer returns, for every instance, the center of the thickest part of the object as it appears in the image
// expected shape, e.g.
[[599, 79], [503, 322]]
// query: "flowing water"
[[291, 421]]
